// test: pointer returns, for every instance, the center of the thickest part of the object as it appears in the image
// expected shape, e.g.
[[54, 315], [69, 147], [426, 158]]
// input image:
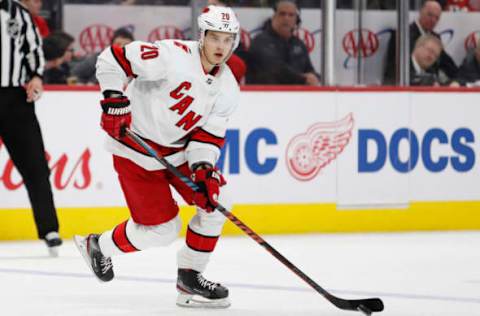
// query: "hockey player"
[[179, 101]]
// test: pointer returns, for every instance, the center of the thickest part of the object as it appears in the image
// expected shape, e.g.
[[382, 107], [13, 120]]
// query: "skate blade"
[[81, 244], [196, 301], [53, 251]]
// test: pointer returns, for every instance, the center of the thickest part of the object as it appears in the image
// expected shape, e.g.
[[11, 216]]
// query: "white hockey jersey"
[[174, 103]]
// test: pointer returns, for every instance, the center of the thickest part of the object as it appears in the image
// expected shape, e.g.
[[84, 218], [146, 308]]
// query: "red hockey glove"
[[209, 180], [116, 115]]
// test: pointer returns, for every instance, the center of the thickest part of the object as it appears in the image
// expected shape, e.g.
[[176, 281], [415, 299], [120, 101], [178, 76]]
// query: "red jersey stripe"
[[203, 136], [119, 54], [121, 240], [161, 150], [200, 242]]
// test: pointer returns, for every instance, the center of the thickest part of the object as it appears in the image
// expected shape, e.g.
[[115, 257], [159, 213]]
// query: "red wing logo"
[[310, 152]]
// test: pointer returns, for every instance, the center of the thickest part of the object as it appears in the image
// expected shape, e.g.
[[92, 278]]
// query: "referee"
[[21, 68]]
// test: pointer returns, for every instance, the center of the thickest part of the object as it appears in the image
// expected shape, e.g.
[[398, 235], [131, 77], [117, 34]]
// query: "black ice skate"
[[101, 266], [196, 291], [53, 241]]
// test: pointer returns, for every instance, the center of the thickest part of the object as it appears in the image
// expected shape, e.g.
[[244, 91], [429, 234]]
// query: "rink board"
[[304, 160], [270, 219]]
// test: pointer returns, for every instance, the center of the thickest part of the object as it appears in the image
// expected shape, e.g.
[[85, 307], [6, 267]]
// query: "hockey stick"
[[366, 306]]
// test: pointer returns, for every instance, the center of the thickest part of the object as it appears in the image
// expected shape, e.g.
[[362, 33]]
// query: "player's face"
[[217, 46]]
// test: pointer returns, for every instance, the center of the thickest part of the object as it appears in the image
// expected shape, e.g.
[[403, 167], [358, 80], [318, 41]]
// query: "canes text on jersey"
[[188, 120]]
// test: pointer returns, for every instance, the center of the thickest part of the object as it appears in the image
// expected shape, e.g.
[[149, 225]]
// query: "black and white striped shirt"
[[21, 54]]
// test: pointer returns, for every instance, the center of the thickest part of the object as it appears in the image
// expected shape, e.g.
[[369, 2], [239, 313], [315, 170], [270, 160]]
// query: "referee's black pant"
[[22, 137]]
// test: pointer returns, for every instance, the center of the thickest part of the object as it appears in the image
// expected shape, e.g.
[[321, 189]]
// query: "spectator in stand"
[[469, 72], [276, 56], [424, 61], [66, 41], [58, 48], [84, 70], [425, 24], [53, 60], [34, 7]]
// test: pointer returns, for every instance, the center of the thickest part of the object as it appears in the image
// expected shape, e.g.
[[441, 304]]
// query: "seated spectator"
[[84, 70], [34, 7], [58, 50], [276, 56], [53, 61], [469, 72], [423, 67], [425, 24]]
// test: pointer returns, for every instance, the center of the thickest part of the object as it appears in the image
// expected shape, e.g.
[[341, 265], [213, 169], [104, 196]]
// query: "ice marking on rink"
[[257, 286]]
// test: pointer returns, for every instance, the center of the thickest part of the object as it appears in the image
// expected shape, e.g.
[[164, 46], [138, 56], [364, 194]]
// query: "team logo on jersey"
[[310, 152], [13, 28]]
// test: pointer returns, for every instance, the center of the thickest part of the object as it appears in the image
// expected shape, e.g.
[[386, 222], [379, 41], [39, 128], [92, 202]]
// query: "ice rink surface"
[[421, 274]]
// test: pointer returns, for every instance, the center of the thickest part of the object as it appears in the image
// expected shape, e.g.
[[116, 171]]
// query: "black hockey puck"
[[364, 310]]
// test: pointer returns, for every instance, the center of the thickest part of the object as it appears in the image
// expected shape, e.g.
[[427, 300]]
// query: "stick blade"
[[367, 306]]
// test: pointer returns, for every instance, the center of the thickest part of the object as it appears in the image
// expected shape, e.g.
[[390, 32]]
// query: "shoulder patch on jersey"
[[182, 46]]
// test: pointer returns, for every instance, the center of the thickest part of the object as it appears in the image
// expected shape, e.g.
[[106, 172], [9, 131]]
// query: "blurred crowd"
[[275, 54], [454, 5]]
